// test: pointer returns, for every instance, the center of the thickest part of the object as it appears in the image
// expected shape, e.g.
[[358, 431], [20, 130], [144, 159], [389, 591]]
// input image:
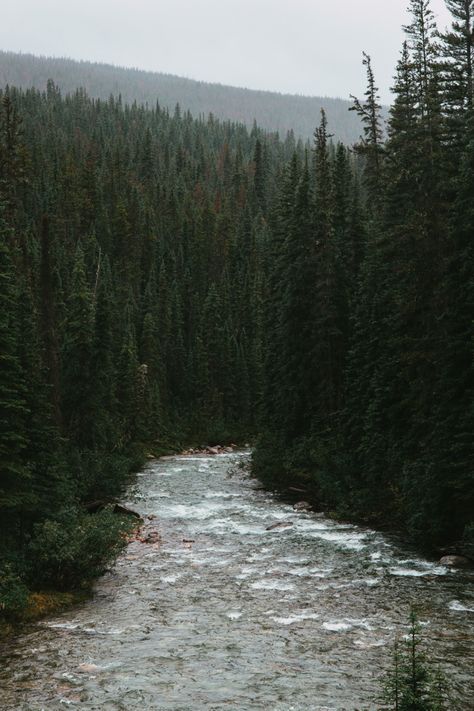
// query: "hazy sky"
[[295, 46]]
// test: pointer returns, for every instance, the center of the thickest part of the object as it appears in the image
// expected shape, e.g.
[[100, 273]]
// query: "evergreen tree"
[[15, 483], [78, 339]]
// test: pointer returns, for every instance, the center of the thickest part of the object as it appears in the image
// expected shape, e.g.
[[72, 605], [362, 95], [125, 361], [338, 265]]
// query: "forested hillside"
[[166, 280], [369, 330], [132, 277], [272, 111]]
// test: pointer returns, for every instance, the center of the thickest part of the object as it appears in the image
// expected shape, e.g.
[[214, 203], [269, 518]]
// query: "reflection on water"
[[223, 614]]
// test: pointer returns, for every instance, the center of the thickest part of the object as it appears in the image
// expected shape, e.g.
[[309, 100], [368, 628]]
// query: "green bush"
[[13, 592], [70, 552]]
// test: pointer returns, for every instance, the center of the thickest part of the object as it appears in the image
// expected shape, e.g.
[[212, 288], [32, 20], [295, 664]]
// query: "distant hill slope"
[[272, 111]]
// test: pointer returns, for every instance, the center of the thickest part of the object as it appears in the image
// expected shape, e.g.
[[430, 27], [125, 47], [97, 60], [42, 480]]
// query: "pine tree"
[[15, 477], [78, 339], [412, 684], [370, 146], [458, 56]]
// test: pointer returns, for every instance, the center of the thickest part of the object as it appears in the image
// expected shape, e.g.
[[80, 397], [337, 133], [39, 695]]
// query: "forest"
[[167, 280], [272, 111]]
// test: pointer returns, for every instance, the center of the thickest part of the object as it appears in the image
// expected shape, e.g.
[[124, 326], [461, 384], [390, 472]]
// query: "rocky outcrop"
[[302, 506], [455, 561]]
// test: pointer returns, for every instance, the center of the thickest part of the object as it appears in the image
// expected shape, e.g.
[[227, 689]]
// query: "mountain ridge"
[[273, 111]]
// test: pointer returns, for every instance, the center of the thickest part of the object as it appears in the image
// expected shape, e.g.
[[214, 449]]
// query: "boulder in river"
[[213, 450], [88, 668], [302, 506], [151, 537], [455, 561], [279, 524]]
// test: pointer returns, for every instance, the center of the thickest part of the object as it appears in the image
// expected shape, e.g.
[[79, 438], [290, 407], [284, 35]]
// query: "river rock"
[[151, 537], [279, 524], [212, 450], [302, 506], [88, 668], [121, 509], [455, 561]]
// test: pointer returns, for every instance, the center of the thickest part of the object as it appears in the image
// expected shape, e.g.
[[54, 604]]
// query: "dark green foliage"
[[13, 592], [165, 279], [381, 378], [15, 476], [67, 553], [131, 288]]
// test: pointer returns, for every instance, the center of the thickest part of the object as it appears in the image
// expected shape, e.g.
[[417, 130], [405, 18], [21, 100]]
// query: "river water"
[[223, 614]]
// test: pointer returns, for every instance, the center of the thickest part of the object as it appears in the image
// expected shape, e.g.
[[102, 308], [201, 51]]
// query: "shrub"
[[68, 553], [13, 592]]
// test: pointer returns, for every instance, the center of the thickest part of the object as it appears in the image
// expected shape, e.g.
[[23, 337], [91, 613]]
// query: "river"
[[223, 614]]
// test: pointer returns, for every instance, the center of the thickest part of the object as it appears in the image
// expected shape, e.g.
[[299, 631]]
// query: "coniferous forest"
[[272, 111], [166, 280]]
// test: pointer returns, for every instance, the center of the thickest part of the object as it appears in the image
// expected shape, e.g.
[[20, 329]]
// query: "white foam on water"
[[170, 579], [310, 525], [293, 559], [198, 512], [272, 585], [62, 625], [187, 458], [292, 619], [303, 571], [222, 495], [278, 515], [250, 570], [234, 615], [457, 606], [257, 557], [351, 541], [428, 569], [337, 626], [245, 529], [407, 572], [366, 643], [426, 565], [347, 624]]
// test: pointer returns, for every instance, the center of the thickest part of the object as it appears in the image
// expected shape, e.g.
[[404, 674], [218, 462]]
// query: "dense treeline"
[[165, 279], [272, 111], [132, 244], [369, 390]]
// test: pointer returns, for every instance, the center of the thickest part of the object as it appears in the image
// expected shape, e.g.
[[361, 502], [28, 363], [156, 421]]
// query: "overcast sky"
[[294, 46]]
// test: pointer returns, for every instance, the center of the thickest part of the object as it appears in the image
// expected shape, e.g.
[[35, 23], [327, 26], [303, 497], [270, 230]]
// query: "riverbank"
[[75, 561], [39, 606], [301, 485], [102, 537]]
